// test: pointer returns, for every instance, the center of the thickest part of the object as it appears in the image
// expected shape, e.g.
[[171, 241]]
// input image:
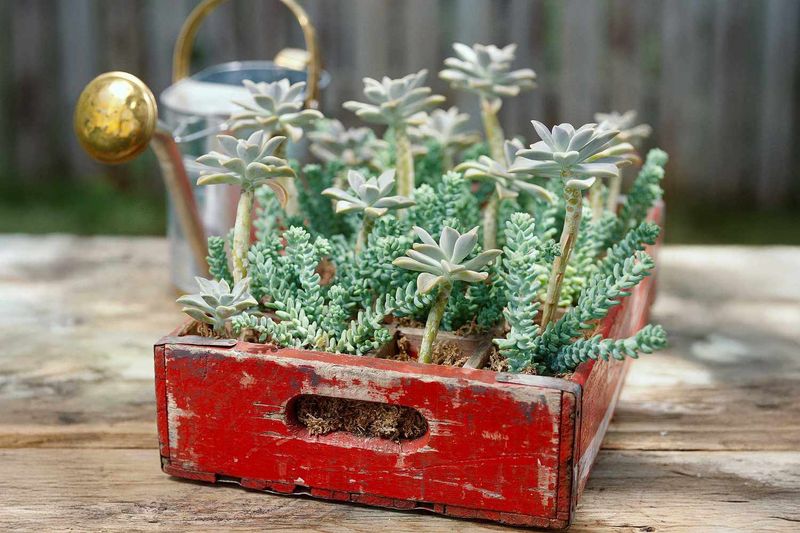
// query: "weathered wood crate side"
[[494, 447], [602, 381], [515, 449]]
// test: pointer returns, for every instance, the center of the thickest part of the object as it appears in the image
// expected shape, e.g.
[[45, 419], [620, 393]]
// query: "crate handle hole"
[[322, 415]]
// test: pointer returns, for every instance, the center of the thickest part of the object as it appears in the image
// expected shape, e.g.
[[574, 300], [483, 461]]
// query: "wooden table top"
[[706, 436]]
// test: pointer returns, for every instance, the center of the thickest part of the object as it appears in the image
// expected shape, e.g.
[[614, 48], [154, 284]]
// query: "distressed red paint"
[[514, 449]]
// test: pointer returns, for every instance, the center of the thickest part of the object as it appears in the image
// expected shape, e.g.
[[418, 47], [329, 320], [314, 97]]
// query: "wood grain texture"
[[705, 438]]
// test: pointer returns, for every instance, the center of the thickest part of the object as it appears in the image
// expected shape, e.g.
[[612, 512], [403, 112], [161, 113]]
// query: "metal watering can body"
[[116, 118]]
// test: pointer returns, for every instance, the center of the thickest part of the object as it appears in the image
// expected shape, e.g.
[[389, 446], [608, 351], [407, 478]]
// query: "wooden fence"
[[718, 80]]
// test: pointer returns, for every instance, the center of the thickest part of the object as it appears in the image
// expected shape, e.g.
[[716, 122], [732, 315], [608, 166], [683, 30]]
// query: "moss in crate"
[[324, 414]]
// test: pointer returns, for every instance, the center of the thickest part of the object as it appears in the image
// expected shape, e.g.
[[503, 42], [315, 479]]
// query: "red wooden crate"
[[512, 448]]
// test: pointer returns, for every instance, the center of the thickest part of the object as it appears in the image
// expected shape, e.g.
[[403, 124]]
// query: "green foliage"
[[523, 265], [217, 303], [644, 192], [601, 294], [218, 260], [635, 240], [318, 210], [647, 340], [428, 167], [450, 199]]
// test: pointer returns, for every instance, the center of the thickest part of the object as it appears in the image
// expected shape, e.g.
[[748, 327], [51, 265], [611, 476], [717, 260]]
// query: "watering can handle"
[[181, 57]]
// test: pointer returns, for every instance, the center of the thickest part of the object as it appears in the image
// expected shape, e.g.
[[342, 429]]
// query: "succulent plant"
[[625, 123], [398, 103], [568, 154], [249, 163], [449, 129], [276, 108], [486, 70], [371, 197], [440, 264], [355, 147], [507, 185], [217, 303], [623, 145]]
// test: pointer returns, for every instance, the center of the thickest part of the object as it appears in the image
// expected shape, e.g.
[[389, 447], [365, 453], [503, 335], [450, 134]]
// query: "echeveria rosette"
[[276, 108], [216, 303], [249, 163], [354, 147], [440, 264], [575, 156], [486, 71], [568, 153], [370, 197], [625, 123], [449, 129], [507, 185], [398, 103], [623, 145]]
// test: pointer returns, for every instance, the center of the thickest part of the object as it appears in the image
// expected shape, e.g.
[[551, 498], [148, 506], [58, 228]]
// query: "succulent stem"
[[490, 221], [494, 132], [447, 159], [432, 324], [572, 222], [596, 200], [405, 161], [614, 187], [241, 235], [366, 229]]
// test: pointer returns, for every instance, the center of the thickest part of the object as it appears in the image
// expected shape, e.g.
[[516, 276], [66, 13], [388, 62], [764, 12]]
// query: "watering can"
[[116, 118]]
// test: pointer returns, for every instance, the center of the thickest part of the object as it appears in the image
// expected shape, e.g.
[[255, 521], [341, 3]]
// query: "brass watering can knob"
[[115, 117]]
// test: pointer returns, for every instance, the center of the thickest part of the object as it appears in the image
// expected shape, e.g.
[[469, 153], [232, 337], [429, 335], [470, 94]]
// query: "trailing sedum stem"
[[494, 132], [490, 221], [572, 221], [241, 235], [363, 234], [405, 162], [432, 324]]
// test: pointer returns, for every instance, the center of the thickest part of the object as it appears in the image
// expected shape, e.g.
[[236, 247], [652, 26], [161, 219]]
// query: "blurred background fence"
[[718, 81]]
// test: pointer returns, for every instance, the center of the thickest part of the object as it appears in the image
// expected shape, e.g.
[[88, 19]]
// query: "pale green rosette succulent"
[[625, 123], [354, 147], [507, 185], [440, 264], [575, 156], [217, 303], [568, 153], [449, 129], [623, 145], [486, 71], [248, 163], [276, 108], [398, 103], [370, 197]]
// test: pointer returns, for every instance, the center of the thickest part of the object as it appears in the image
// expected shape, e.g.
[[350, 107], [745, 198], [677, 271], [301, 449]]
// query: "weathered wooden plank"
[[114, 490]]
